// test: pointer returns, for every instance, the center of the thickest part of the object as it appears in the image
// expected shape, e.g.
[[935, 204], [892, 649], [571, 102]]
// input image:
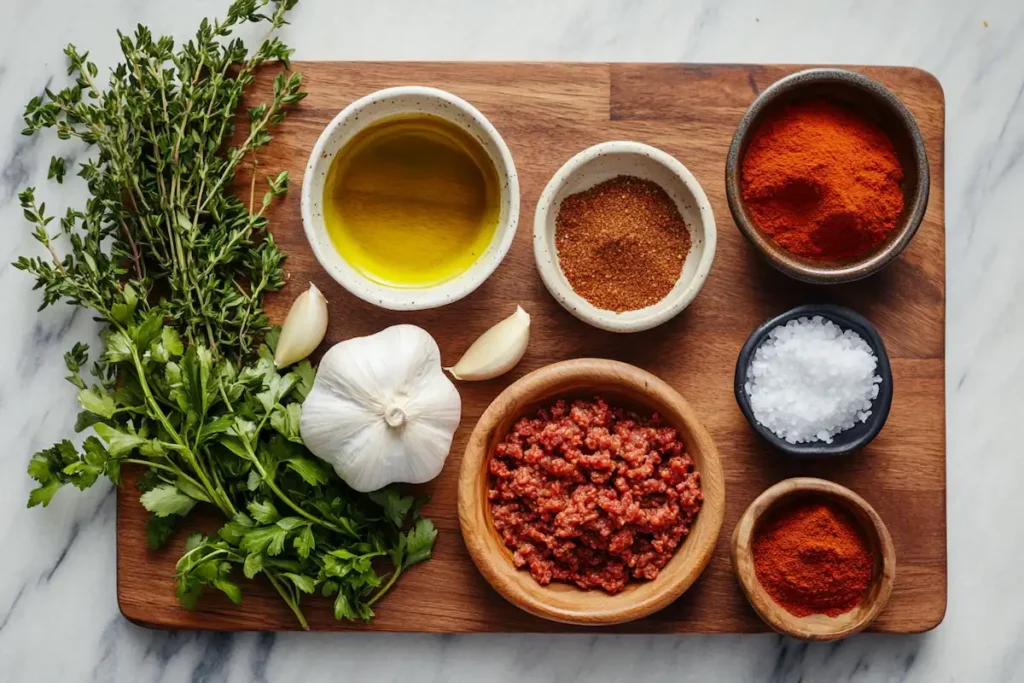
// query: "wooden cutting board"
[[547, 112]]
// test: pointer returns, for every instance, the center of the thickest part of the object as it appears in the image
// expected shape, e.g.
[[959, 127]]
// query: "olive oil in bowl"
[[412, 201]]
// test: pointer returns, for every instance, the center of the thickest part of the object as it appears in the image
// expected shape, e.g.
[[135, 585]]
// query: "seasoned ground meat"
[[592, 495]]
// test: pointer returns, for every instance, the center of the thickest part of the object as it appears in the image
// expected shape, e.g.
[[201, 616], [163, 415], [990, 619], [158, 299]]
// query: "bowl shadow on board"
[[683, 609], [637, 348], [847, 441], [879, 298], [871, 296]]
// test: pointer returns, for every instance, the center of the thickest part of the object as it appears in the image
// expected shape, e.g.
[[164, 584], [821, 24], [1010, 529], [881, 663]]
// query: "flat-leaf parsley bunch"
[[174, 265]]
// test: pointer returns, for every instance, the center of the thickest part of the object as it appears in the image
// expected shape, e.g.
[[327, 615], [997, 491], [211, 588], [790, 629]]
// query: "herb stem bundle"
[[175, 266]]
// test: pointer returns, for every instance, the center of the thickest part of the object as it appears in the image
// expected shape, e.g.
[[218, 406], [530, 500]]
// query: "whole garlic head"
[[381, 409]]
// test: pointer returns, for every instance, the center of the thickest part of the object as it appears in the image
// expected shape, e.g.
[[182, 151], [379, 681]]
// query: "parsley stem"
[[291, 602], [294, 506], [385, 588], [215, 495], [274, 487], [172, 470]]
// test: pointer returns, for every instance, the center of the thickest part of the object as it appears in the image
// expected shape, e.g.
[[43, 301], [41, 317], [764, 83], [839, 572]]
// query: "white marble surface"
[[58, 614]]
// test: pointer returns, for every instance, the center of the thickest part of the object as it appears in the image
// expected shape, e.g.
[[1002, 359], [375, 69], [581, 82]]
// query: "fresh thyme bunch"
[[159, 183], [175, 266]]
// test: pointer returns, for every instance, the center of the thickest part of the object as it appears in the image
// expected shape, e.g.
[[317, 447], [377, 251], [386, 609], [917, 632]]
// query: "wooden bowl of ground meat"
[[590, 493]]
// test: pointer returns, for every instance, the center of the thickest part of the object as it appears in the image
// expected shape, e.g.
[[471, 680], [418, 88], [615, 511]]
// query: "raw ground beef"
[[592, 495]]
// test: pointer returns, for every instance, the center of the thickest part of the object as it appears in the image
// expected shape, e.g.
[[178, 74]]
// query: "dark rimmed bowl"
[[870, 97], [857, 436]]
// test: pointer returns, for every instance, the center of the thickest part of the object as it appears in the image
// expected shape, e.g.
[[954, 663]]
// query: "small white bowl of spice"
[[624, 236]]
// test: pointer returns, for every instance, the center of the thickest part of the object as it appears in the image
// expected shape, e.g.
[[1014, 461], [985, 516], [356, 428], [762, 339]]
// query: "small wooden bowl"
[[815, 626], [623, 385]]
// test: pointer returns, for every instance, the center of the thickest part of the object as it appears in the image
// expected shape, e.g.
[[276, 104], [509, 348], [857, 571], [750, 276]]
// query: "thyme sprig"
[[158, 184]]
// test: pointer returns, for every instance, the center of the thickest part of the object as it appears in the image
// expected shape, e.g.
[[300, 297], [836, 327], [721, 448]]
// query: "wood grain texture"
[[624, 385], [815, 626], [546, 113]]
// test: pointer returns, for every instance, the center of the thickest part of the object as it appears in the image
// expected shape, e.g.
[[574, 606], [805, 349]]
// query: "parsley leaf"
[[97, 401], [313, 472], [305, 542], [419, 542], [253, 565], [165, 500], [263, 511], [268, 539], [42, 495], [159, 530], [304, 583], [396, 506]]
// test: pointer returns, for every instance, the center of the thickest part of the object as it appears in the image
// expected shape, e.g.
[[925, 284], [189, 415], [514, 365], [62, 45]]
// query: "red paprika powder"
[[812, 558], [823, 180]]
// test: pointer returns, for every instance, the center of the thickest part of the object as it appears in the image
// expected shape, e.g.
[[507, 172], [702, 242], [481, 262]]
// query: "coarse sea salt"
[[810, 380]]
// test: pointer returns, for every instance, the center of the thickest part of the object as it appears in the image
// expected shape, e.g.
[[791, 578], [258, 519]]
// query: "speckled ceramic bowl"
[[603, 162], [385, 104], [876, 101]]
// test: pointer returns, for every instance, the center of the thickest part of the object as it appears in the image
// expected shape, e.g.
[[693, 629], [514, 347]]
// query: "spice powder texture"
[[812, 558], [588, 494], [823, 180], [622, 243]]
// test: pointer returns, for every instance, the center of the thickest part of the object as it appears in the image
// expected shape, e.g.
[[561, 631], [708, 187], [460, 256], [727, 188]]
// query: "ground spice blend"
[[622, 243], [812, 558], [823, 180]]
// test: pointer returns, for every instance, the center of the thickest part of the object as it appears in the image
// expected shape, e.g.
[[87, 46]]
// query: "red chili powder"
[[812, 558], [823, 180]]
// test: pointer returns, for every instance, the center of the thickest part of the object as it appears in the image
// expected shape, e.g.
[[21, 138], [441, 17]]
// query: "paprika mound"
[[823, 180], [811, 557]]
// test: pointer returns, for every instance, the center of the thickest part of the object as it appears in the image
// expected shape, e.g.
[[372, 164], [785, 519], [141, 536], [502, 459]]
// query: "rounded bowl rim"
[[846, 318], [411, 299], [547, 262], [487, 550]]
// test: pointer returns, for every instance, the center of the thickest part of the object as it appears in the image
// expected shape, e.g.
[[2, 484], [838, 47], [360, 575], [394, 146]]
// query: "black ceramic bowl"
[[857, 436], [875, 101]]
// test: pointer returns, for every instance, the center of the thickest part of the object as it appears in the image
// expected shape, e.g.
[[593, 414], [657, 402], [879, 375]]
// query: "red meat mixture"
[[593, 495]]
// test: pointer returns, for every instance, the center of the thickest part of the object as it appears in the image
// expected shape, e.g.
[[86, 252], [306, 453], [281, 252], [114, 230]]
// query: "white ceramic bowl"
[[370, 109], [603, 162]]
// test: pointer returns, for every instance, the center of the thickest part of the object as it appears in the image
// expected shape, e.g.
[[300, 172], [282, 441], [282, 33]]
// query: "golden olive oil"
[[412, 201]]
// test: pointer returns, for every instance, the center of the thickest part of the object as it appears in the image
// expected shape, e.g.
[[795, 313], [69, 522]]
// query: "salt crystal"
[[810, 380]]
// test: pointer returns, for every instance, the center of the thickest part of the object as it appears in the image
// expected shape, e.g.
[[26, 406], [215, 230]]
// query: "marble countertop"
[[58, 612]]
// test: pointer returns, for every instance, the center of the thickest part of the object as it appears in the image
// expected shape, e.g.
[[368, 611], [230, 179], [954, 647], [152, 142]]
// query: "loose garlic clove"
[[303, 329], [497, 350]]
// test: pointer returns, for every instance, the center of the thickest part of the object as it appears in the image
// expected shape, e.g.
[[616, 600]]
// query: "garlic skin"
[[496, 351], [381, 409], [304, 328]]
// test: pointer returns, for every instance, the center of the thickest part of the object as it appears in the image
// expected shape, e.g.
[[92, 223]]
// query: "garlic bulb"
[[497, 350], [304, 328], [382, 410]]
